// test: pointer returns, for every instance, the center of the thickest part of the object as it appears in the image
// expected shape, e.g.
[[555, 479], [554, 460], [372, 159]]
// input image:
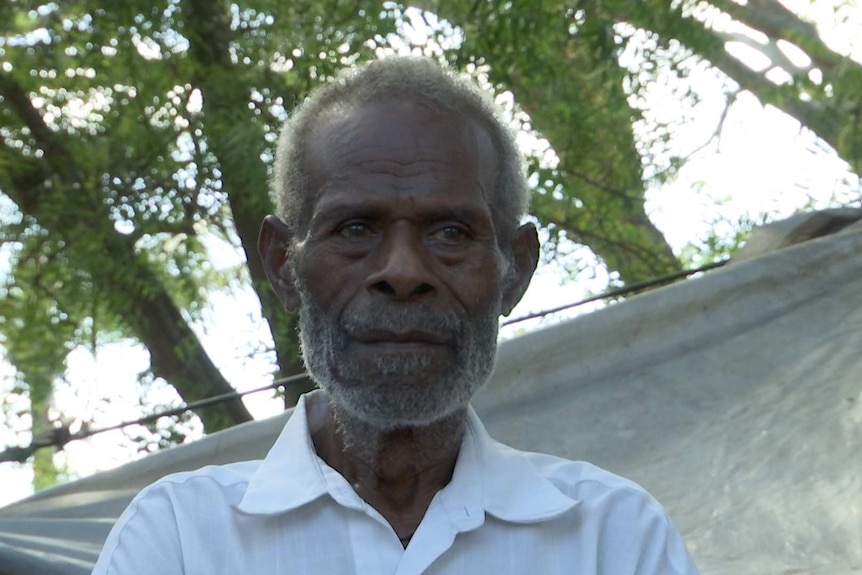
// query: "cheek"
[[478, 286], [330, 280]]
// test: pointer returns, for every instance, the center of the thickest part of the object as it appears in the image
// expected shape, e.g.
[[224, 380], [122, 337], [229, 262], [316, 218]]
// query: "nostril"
[[421, 289], [384, 288]]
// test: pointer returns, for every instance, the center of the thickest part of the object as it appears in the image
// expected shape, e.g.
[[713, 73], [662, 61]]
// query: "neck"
[[397, 471]]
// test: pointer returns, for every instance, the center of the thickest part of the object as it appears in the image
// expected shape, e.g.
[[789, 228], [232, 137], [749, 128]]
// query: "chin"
[[393, 404]]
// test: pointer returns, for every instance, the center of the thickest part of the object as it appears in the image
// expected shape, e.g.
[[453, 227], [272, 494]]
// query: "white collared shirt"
[[503, 512]]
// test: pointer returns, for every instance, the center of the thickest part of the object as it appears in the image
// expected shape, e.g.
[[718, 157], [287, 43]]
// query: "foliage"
[[130, 132]]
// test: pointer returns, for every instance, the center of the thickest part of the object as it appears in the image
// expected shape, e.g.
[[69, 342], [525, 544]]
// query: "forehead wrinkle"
[[373, 151], [397, 162], [387, 197], [432, 175]]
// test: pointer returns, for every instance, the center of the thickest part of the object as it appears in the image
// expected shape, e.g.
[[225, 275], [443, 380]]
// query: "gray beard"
[[410, 389]]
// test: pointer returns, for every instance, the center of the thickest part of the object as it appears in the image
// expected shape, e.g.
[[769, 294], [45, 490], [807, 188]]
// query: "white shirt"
[[503, 512]]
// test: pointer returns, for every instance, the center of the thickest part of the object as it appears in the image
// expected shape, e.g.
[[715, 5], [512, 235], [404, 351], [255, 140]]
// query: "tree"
[[132, 131]]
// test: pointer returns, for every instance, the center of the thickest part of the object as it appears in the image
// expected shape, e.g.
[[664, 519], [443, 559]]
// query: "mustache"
[[402, 320]]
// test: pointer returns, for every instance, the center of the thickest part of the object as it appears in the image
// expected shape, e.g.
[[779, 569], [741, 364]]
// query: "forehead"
[[398, 144]]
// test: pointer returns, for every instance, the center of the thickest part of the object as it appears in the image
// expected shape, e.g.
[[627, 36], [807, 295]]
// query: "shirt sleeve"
[[145, 539], [633, 533], [663, 551]]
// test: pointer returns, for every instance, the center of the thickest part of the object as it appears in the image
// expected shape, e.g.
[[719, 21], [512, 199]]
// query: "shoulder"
[[211, 487], [629, 523], [610, 501], [507, 470], [146, 539], [219, 475], [584, 481], [213, 481]]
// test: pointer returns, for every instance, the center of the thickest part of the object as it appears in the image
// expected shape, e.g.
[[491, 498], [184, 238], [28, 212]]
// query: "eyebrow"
[[458, 214]]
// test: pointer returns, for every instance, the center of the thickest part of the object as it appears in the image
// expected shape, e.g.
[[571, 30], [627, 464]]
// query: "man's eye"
[[451, 234], [356, 230]]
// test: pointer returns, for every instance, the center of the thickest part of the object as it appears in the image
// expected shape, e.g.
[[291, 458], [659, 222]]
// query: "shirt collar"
[[488, 477], [291, 475], [513, 489]]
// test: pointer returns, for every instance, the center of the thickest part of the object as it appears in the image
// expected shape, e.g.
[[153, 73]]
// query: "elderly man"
[[400, 193]]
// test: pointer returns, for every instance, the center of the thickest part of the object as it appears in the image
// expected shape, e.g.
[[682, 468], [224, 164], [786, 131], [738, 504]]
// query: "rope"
[[625, 290], [62, 436]]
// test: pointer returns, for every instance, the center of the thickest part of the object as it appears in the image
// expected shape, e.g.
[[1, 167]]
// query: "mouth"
[[409, 338]]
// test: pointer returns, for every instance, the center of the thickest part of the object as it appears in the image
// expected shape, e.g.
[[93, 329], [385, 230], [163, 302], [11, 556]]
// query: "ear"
[[525, 256], [272, 245]]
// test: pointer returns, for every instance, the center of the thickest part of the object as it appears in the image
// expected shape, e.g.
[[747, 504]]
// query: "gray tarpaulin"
[[736, 398]]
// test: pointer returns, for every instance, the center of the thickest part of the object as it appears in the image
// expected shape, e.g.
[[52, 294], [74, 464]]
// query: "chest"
[[324, 540]]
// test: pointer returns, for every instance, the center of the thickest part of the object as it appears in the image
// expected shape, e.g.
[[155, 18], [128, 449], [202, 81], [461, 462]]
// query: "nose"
[[402, 266]]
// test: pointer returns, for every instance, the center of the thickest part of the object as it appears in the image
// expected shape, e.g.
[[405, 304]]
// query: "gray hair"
[[419, 80]]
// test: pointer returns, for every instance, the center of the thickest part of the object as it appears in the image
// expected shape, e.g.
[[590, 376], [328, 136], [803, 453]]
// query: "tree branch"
[[670, 23], [776, 21], [75, 213], [55, 153]]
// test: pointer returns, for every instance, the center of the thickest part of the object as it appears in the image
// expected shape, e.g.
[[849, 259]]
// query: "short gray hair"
[[419, 80]]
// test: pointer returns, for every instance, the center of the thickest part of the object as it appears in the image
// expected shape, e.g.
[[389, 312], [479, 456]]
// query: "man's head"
[[399, 252]]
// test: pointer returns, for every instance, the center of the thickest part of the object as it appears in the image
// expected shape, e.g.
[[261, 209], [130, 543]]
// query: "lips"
[[387, 336]]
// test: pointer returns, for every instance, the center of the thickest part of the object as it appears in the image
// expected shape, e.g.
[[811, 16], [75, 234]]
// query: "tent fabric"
[[735, 398]]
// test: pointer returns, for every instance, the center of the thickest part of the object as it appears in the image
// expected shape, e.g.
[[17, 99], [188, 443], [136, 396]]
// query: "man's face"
[[399, 271]]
